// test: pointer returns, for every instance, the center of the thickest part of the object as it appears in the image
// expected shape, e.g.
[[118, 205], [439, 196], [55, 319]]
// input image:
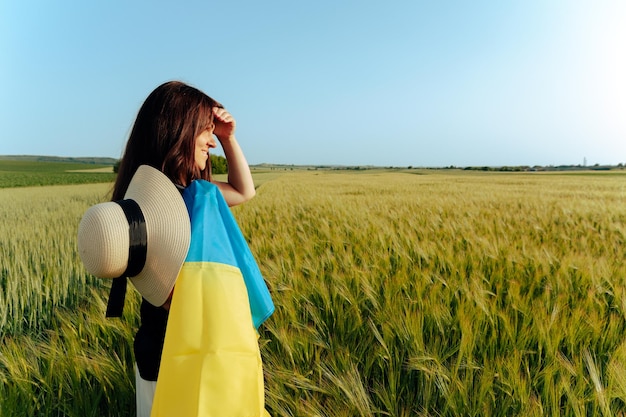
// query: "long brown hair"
[[164, 134]]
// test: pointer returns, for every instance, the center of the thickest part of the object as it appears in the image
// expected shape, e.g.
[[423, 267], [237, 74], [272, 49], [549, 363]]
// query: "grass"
[[58, 355], [442, 294]]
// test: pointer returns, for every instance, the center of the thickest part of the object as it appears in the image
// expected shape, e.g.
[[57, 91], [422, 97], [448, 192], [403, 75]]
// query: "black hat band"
[[137, 237]]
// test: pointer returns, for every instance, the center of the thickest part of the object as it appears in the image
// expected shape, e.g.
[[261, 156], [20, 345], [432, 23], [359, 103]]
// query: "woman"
[[173, 132]]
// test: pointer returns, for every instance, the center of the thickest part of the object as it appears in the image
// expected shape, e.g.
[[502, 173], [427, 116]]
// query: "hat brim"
[[168, 232]]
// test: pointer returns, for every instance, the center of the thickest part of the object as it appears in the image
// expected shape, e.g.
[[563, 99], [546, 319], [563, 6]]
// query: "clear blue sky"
[[415, 82]]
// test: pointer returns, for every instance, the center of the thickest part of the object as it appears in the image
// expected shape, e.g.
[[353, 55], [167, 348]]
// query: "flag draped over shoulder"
[[211, 364]]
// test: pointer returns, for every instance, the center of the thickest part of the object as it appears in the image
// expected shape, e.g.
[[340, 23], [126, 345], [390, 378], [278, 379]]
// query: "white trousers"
[[144, 393]]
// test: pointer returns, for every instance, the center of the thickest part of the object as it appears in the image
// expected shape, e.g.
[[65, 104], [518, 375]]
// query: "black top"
[[151, 336], [149, 340]]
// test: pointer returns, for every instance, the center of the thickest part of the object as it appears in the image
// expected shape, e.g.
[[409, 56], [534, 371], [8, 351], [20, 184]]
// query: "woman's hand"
[[240, 187], [224, 124]]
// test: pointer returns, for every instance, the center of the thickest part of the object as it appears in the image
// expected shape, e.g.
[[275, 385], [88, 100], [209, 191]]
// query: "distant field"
[[94, 170], [32, 173], [17, 173]]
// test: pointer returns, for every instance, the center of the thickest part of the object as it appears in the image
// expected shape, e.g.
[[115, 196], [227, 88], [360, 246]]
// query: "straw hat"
[[114, 237]]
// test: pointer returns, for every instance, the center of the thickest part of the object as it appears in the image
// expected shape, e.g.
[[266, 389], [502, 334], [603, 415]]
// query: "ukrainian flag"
[[211, 363]]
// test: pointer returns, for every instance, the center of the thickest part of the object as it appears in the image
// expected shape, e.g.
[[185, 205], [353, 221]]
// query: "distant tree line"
[[218, 165], [596, 167], [44, 158]]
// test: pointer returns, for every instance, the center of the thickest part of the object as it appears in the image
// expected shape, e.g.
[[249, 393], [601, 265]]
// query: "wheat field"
[[416, 293]]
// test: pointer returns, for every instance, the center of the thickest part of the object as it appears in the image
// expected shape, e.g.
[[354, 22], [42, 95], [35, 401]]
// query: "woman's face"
[[204, 141]]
